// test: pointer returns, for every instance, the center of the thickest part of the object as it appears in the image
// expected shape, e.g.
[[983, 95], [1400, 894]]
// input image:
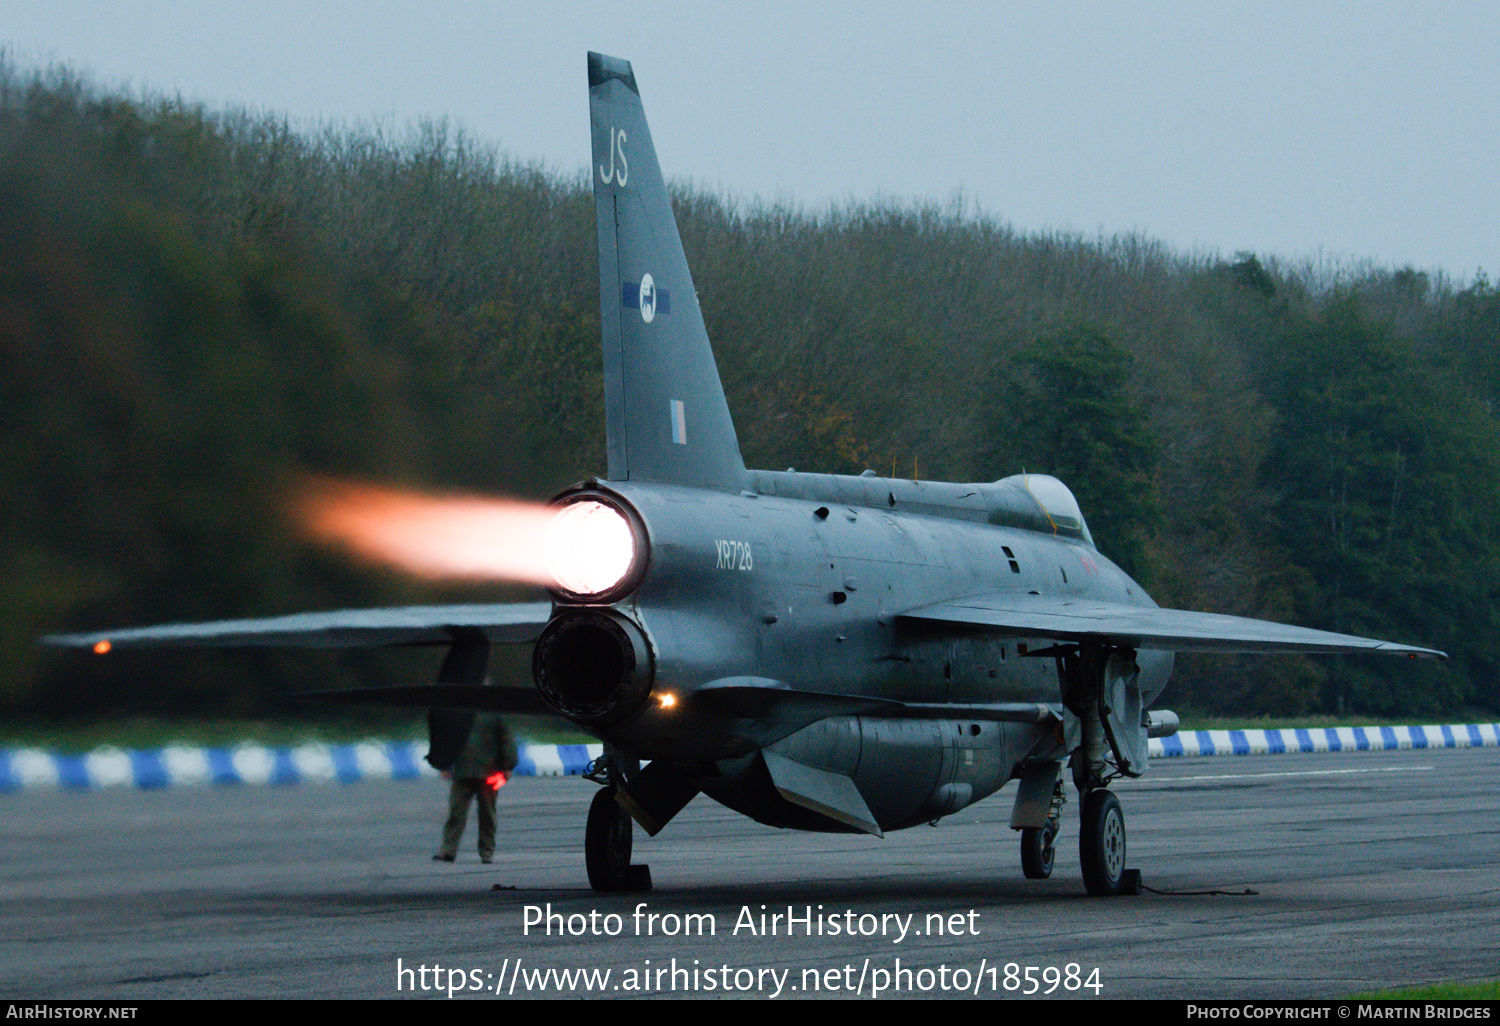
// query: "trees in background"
[[1068, 413]]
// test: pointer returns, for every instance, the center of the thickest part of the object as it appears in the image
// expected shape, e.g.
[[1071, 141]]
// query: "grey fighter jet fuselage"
[[774, 619]]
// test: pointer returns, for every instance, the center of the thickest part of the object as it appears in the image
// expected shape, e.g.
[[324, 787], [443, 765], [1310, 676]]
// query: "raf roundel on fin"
[[647, 297]]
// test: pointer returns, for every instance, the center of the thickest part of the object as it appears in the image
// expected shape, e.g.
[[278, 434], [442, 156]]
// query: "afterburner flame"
[[589, 548], [438, 537]]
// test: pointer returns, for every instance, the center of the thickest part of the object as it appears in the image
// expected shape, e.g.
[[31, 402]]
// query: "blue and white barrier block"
[[178, 766], [1324, 739]]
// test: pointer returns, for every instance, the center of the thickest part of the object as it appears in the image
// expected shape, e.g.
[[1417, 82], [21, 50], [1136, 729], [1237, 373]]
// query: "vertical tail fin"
[[664, 404]]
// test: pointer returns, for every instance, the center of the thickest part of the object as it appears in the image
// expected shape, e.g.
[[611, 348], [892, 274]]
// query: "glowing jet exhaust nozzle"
[[588, 547], [595, 550]]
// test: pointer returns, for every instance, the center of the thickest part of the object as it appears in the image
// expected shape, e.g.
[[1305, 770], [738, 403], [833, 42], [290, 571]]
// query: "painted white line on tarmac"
[[1260, 776]]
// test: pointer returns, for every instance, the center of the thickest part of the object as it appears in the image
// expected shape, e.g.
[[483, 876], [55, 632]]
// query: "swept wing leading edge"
[[1148, 627], [500, 623]]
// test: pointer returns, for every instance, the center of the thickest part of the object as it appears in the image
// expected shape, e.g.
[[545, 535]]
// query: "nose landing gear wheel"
[[1101, 843], [1038, 851]]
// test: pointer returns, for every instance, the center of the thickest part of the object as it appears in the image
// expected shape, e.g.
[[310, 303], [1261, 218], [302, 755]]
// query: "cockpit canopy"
[[1055, 501]]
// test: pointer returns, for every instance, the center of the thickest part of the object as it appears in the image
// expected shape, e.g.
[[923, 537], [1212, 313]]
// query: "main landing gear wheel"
[[606, 847], [1038, 851], [1101, 844], [606, 843]]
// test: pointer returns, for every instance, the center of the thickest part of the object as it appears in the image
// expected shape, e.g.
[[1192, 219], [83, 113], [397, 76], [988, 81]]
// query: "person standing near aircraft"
[[487, 759]]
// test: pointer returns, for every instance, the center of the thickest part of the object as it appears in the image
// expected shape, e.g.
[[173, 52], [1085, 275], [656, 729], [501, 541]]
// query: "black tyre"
[[1101, 843], [1038, 851], [606, 843]]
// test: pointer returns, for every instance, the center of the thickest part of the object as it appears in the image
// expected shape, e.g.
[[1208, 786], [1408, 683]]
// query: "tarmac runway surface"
[[1371, 870]]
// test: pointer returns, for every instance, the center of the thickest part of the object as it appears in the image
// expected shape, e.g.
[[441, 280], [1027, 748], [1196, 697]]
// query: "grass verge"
[[1488, 990]]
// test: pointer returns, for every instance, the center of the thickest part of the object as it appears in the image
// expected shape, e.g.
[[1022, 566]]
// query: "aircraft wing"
[[773, 709], [1067, 619], [345, 628]]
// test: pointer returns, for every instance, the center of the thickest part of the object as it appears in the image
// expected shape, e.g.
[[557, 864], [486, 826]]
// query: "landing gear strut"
[[1038, 814], [1099, 689], [608, 837]]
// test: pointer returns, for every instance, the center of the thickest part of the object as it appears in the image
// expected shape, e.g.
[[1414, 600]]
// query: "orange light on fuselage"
[[101, 647]]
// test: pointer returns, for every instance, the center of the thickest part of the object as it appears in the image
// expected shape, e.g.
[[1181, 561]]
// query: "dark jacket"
[[490, 749]]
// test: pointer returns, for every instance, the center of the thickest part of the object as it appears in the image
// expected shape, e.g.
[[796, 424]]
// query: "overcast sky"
[[1356, 130]]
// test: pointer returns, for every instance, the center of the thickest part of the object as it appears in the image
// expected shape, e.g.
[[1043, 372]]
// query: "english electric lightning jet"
[[814, 651]]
